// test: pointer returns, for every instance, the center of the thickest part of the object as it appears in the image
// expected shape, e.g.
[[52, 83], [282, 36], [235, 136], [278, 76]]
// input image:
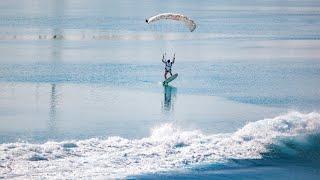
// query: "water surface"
[[81, 93]]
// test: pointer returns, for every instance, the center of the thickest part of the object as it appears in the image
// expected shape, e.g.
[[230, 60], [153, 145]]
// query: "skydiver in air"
[[168, 64]]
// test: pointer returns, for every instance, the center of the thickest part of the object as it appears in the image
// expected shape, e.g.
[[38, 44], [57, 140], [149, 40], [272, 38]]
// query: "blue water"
[[81, 93], [274, 83]]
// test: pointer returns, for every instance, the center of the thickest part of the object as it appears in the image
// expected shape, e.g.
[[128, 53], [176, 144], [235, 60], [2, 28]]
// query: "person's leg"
[[170, 73], [165, 74]]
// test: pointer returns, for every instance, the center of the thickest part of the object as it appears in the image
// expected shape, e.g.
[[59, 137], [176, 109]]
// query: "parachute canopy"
[[178, 17]]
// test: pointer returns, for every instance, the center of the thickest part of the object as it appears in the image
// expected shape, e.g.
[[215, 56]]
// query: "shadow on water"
[[169, 93], [53, 110]]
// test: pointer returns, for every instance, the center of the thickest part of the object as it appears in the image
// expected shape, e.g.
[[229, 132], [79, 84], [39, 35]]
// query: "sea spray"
[[167, 148]]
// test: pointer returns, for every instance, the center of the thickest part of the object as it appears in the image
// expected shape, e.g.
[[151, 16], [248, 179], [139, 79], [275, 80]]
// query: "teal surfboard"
[[171, 78]]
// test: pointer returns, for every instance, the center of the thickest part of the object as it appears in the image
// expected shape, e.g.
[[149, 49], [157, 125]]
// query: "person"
[[168, 65]]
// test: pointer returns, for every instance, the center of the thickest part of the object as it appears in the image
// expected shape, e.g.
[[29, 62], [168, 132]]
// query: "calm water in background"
[[74, 70]]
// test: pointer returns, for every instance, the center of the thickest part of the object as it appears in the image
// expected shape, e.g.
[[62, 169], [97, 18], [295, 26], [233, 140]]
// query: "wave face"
[[167, 148]]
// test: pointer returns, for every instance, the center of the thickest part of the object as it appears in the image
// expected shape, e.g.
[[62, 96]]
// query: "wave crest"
[[167, 148]]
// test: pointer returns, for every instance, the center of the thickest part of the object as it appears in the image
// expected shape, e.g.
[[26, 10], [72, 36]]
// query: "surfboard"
[[171, 78]]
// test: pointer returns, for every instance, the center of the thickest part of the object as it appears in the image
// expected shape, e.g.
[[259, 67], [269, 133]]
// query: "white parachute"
[[178, 17]]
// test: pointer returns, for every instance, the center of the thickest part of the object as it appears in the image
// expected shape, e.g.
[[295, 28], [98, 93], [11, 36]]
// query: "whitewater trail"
[[167, 148]]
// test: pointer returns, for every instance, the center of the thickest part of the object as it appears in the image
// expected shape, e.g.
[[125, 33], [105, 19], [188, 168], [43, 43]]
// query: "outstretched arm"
[[163, 58], [174, 58]]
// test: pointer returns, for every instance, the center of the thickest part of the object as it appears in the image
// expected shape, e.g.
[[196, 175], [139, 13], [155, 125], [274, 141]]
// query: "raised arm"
[[163, 59], [174, 58]]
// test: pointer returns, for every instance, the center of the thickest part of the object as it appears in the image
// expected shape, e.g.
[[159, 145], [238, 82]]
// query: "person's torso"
[[168, 65]]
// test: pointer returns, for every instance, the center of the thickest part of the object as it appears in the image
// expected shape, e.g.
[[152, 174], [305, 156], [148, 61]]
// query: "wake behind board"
[[171, 78]]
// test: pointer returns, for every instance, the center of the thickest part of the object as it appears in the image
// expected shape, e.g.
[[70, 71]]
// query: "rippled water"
[[81, 93]]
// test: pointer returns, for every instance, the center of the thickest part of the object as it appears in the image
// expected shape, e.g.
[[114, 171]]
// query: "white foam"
[[167, 148]]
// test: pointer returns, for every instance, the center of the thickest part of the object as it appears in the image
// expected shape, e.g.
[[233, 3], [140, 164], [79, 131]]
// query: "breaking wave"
[[167, 148]]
